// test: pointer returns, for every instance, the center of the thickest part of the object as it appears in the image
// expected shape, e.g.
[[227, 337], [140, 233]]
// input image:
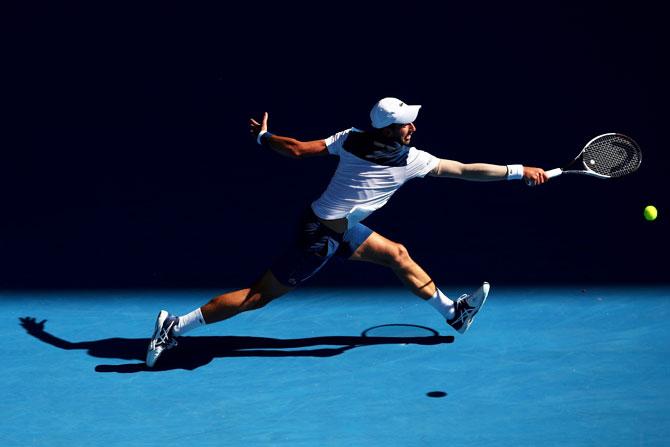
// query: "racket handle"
[[554, 172]]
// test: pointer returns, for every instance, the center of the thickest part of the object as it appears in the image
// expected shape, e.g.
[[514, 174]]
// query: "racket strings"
[[612, 155]]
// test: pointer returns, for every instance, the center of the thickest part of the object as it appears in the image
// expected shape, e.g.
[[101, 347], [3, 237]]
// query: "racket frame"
[[588, 171]]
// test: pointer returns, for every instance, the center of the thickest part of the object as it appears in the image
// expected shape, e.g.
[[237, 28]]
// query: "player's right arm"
[[485, 172], [289, 147]]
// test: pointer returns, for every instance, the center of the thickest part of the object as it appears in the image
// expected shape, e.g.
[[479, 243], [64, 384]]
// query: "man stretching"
[[373, 165]]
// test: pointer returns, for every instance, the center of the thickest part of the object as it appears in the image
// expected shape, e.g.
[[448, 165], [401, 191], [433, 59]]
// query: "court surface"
[[328, 367]]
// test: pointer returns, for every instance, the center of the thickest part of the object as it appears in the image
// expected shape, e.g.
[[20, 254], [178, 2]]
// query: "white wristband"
[[514, 172], [258, 138]]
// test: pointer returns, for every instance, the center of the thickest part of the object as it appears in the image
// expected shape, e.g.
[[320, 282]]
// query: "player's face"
[[402, 133]]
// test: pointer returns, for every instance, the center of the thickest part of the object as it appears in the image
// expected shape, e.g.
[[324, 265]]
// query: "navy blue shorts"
[[313, 246]]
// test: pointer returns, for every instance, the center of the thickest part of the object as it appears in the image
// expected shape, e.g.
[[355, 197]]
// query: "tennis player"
[[373, 164]]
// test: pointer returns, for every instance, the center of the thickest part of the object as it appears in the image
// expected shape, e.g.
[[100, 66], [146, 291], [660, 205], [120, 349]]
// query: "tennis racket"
[[606, 156]]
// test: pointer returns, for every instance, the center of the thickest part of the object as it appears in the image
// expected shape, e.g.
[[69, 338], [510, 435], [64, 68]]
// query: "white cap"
[[392, 111]]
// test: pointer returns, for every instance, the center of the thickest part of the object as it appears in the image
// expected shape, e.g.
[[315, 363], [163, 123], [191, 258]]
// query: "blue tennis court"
[[157, 155], [332, 367]]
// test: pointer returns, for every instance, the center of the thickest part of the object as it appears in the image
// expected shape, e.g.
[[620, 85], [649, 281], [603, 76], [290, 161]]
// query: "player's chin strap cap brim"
[[392, 111]]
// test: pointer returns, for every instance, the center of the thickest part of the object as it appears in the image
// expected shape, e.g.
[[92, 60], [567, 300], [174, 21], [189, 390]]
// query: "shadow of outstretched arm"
[[36, 329], [120, 348]]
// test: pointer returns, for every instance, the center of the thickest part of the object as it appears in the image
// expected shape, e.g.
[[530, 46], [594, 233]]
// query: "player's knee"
[[255, 301], [263, 292], [399, 255], [258, 303]]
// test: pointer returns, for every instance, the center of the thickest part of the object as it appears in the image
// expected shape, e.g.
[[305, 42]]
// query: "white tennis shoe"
[[162, 338], [467, 307]]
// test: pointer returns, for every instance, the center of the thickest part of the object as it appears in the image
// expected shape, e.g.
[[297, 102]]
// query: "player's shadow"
[[194, 352]]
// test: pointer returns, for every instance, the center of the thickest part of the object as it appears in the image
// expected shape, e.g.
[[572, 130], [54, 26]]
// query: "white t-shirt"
[[361, 183]]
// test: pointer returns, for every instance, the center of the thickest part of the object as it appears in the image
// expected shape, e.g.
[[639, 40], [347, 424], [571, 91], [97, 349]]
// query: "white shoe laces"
[[164, 338], [465, 316]]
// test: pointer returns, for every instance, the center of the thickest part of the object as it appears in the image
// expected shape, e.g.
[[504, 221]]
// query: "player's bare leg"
[[222, 307], [382, 251], [459, 314], [169, 327]]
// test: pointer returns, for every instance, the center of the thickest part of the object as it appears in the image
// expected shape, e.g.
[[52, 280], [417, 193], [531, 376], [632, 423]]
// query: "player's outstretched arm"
[[485, 172], [287, 146]]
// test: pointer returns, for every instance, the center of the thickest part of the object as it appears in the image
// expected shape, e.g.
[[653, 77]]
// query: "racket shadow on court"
[[194, 352]]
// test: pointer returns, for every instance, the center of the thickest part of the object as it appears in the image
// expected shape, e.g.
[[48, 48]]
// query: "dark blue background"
[[127, 161]]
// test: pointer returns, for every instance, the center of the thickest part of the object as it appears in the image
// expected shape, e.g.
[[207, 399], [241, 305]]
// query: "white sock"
[[189, 322], [443, 304]]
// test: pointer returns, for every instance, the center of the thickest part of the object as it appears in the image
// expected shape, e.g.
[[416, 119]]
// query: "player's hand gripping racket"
[[606, 156]]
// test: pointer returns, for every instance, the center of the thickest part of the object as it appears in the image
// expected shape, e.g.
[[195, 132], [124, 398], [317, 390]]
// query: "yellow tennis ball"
[[650, 212]]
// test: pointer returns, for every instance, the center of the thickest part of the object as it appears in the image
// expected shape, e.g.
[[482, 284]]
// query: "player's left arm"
[[287, 146], [486, 172]]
